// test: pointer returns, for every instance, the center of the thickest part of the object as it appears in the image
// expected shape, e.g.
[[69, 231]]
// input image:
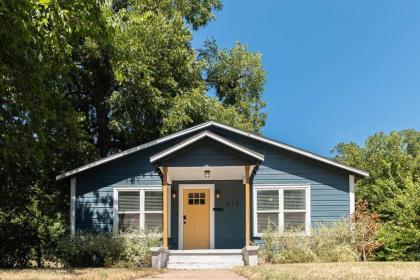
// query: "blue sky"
[[337, 71]]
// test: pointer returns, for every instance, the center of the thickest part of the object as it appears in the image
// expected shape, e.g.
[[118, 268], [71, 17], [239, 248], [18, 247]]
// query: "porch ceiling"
[[197, 173]]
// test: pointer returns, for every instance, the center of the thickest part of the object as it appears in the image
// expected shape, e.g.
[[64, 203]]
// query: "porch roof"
[[205, 134]]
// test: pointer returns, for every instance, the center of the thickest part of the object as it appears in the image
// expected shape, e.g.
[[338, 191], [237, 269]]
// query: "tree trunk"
[[104, 135], [103, 81]]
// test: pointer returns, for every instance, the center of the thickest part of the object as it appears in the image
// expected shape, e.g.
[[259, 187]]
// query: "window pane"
[[268, 200], [294, 199], [294, 221], [153, 201], [267, 219], [153, 222], [129, 201], [128, 222]]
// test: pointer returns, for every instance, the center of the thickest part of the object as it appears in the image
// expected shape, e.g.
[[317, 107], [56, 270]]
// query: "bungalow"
[[208, 188]]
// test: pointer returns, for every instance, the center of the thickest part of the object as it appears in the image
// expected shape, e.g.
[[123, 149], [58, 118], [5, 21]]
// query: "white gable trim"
[[294, 150], [133, 150], [200, 136], [216, 124]]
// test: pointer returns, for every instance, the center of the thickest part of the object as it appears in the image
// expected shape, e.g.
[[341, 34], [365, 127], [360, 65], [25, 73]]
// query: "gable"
[[207, 152], [224, 129], [217, 147]]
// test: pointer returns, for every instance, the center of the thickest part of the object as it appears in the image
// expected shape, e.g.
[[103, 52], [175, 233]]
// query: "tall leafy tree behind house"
[[237, 77], [82, 79], [392, 188], [141, 71]]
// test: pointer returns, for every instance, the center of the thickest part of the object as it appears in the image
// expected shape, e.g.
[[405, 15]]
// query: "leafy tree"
[[237, 77], [400, 235], [392, 188], [140, 63], [197, 108], [39, 130], [130, 69]]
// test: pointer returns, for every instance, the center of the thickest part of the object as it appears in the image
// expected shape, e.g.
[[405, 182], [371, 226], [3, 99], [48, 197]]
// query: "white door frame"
[[182, 187]]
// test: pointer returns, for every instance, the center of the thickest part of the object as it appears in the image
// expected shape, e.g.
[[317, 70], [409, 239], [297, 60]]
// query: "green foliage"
[[326, 243], [39, 130], [400, 236], [140, 64], [153, 63], [238, 79], [137, 249], [105, 250], [392, 189], [86, 250], [197, 108]]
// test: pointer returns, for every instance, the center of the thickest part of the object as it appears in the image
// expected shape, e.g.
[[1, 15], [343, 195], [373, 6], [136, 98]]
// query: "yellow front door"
[[196, 219]]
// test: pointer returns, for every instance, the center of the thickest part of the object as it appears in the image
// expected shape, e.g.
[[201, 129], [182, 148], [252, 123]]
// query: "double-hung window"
[[138, 209], [281, 208]]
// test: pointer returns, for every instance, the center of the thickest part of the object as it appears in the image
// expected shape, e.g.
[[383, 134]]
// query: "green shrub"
[[327, 243], [400, 236], [137, 249], [98, 250]]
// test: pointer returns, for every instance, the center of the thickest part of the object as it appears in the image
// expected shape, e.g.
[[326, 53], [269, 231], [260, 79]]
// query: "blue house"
[[211, 186]]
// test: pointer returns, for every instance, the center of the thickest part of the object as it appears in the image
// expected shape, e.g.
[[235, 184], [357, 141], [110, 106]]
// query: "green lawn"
[[330, 271], [75, 274]]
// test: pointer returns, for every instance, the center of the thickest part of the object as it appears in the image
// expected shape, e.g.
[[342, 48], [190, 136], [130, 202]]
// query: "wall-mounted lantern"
[[218, 194], [206, 173], [173, 194]]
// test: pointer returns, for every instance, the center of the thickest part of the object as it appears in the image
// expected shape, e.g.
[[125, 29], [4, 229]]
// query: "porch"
[[206, 201]]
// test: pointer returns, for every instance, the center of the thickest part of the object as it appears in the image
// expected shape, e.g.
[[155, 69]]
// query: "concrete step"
[[203, 265], [204, 259], [206, 251]]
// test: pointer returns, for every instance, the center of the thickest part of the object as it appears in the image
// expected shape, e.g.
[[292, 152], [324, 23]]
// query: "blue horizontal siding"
[[230, 223], [94, 189], [329, 186]]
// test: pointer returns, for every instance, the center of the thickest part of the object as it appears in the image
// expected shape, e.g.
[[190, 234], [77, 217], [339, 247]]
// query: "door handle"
[[185, 219]]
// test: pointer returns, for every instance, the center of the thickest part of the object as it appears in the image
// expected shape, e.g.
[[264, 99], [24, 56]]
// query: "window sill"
[[303, 234]]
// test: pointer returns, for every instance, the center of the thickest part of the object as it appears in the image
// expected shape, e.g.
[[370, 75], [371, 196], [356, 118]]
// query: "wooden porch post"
[[165, 206], [247, 208]]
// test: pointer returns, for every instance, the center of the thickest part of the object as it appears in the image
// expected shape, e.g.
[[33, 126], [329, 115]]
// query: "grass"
[[76, 274], [329, 271]]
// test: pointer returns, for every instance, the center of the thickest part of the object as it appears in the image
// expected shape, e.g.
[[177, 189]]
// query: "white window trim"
[[73, 206], [351, 194], [182, 187], [281, 210], [141, 211]]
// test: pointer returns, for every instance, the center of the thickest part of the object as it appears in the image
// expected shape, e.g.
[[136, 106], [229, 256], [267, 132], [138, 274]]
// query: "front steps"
[[204, 259]]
